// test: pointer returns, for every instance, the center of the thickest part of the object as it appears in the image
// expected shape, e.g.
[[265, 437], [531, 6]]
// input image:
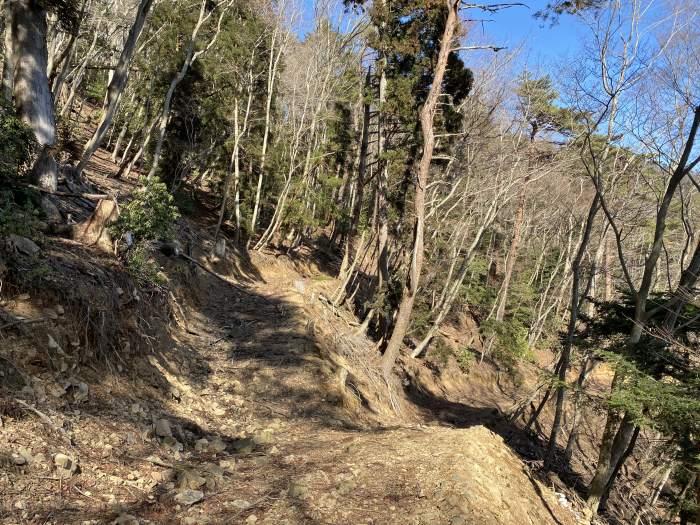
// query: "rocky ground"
[[243, 398]]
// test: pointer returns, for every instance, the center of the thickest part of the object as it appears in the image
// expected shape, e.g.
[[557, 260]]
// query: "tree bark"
[[427, 116], [32, 95], [8, 66]]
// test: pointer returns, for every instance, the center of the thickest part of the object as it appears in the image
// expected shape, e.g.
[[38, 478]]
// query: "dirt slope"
[[245, 400], [269, 417]]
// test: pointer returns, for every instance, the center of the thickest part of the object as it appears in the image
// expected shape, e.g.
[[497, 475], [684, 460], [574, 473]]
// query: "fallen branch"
[[17, 321], [44, 419], [88, 196]]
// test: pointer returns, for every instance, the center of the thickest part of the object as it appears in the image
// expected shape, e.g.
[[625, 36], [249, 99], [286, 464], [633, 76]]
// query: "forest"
[[468, 210]]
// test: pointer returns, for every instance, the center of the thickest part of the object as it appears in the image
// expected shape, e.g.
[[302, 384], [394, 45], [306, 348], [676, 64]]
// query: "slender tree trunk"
[[64, 60], [78, 77], [427, 116], [271, 76], [512, 255], [123, 132], [382, 190], [619, 461], [360, 182], [578, 409], [117, 84], [571, 331], [190, 57]]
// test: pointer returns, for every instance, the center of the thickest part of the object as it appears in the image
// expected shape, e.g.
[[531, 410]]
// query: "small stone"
[[164, 476], [217, 445], [162, 428], [243, 446], [190, 480], [229, 465], [251, 519], [201, 445], [62, 461], [66, 466], [81, 393], [18, 459], [59, 309], [53, 345], [24, 297], [189, 496], [297, 490], [218, 411]]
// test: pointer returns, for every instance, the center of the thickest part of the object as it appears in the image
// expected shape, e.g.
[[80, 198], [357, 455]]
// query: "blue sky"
[[542, 42]]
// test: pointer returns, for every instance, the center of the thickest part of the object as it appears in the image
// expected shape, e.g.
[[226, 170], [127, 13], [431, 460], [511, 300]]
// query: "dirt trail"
[[259, 430], [257, 407]]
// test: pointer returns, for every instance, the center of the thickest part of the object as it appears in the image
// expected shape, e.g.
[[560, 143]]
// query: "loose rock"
[[243, 446], [189, 496], [66, 466], [162, 428], [23, 245]]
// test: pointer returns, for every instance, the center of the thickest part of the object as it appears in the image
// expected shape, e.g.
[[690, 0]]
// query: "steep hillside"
[[231, 394]]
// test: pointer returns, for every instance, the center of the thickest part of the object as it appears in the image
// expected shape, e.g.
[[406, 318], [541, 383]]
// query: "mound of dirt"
[[422, 475]]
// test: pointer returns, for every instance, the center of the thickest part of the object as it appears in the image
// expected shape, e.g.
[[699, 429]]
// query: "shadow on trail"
[[125, 344]]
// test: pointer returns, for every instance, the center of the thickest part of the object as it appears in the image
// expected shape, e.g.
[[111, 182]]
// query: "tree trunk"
[[8, 66], [271, 76], [616, 439], [571, 331], [512, 255], [123, 132], [620, 460], [190, 57], [578, 409], [427, 116], [32, 95], [116, 84], [360, 184]]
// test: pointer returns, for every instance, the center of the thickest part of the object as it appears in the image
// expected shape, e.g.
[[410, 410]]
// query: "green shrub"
[[19, 214], [16, 143], [465, 359], [149, 215], [142, 267], [441, 352], [509, 339]]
